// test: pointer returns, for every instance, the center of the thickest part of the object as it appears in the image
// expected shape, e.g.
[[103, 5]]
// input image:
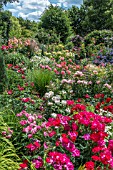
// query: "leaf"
[[81, 167]]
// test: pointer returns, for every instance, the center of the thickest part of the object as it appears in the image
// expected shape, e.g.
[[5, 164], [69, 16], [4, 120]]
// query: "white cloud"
[[32, 9], [28, 9]]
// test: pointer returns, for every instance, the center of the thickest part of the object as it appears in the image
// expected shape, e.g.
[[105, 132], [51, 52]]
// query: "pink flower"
[[20, 88], [51, 134], [38, 163], [63, 72], [25, 100], [23, 122], [86, 137], [87, 96], [4, 47], [9, 92], [68, 72], [70, 102]]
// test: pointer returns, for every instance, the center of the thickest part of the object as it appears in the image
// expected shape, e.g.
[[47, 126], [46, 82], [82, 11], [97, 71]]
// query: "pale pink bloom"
[[68, 72], [98, 82], [90, 82], [62, 58], [30, 135], [107, 85], [95, 72]]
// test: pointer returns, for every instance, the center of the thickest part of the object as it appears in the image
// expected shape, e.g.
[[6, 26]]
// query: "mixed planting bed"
[[56, 114]]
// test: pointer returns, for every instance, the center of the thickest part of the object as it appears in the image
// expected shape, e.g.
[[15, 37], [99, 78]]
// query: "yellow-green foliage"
[[8, 157]]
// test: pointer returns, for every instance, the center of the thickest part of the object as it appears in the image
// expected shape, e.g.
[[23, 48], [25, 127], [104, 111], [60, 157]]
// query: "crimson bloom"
[[89, 165]]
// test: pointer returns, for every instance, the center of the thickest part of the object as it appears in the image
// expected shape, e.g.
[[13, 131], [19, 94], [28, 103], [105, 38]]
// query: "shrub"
[[15, 58], [98, 37]]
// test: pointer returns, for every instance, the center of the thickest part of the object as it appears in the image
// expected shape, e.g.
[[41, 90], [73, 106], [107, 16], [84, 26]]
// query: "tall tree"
[[15, 30], [100, 13], [92, 15], [54, 18], [5, 25]]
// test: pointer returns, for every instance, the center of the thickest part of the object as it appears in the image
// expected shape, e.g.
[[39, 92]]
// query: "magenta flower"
[[86, 137]]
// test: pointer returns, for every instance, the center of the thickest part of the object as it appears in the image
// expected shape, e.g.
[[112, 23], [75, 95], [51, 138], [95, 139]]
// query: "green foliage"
[[41, 79], [3, 76], [8, 157], [15, 30], [5, 25], [15, 58], [99, 14], [29, 28], [54, 18], [47, 37]]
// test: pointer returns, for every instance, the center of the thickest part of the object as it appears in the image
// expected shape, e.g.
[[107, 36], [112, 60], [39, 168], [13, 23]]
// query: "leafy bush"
[[96, 37], [15, 58]]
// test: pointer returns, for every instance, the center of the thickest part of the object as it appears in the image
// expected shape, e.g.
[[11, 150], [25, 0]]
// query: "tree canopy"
[[55, 18]]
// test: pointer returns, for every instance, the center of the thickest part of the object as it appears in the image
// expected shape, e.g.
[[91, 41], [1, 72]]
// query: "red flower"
[[108, 100], [78, 108], [9, 65], [25, 100], [89, 165], [31, 147], [64, 138], [97, 96], [57, 143], [24, 165], [20, 88], [95, 158], [37, 144], [51, 134]]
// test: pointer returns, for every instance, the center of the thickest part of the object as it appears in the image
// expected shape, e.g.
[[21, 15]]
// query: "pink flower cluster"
[[34, 146], [59, 161], [7, 134], [31, 125]]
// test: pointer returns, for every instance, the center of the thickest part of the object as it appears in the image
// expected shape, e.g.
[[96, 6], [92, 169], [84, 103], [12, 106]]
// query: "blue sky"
[[32, 9]]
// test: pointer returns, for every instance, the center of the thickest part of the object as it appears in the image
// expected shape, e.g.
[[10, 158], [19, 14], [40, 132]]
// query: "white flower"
[[71, 91], [63, 102], [54, 115], [51, 93], [58, 97], [50, 103], [64, 92], [54, 98], [47, 95], [57, 101], [68, 110]]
